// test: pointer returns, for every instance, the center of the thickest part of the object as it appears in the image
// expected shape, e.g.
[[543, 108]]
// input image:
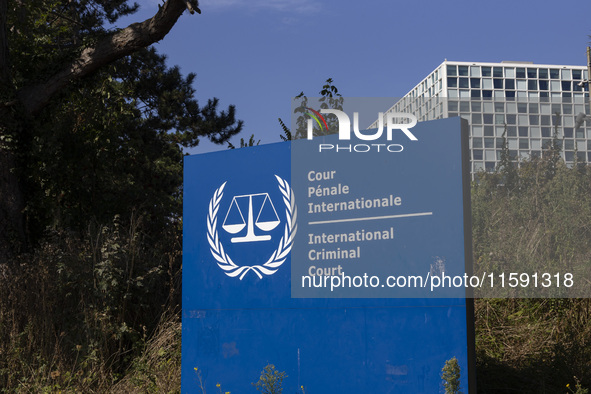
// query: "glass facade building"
[[524, 101]]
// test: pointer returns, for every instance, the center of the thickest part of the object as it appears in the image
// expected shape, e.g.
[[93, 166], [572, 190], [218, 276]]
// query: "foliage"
[[532, 216], [157, 369], [535, 220], [579, 389], [244, 144], [329, 98], [286, 136], [108, 143], [100, 168], [270, 381], [77, 311], [450, 374], [115, 145]]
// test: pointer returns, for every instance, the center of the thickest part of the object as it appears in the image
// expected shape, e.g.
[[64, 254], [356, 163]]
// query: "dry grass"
[[158, 369]]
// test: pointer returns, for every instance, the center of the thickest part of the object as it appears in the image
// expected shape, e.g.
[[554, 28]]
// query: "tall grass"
[[77, 311]]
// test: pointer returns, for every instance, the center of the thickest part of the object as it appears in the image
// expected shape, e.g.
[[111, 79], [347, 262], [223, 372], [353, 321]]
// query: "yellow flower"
[[218, 385]]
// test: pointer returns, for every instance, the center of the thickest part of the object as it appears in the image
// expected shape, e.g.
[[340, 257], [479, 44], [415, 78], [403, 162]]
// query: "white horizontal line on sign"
[[406, 215]]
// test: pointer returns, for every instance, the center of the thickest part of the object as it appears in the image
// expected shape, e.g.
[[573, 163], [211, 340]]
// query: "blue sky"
[[258, 54]]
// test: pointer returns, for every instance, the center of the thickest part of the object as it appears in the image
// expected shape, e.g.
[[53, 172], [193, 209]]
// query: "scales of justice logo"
[[249, 218]]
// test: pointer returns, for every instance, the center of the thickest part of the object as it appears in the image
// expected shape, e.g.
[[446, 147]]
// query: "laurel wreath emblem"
[[278, 257]]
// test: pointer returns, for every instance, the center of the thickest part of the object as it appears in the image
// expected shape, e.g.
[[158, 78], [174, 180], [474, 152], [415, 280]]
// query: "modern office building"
[[519, 98]]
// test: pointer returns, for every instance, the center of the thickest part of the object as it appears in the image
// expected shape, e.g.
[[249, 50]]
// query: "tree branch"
[[107, 50]]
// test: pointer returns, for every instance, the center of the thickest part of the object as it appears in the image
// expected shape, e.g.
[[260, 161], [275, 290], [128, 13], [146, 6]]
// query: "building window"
[[543, 73], [532, 72], [520, 72], [534, 120], [543, 84], [554, 73], [533, 108], [498, 72], [463, 71], [577, 74], [566, 85], [532, 84], [486, 71], [452, 82]]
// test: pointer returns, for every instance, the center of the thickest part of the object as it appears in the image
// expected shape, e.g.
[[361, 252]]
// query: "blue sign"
[[380, 223], [247, 220]]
